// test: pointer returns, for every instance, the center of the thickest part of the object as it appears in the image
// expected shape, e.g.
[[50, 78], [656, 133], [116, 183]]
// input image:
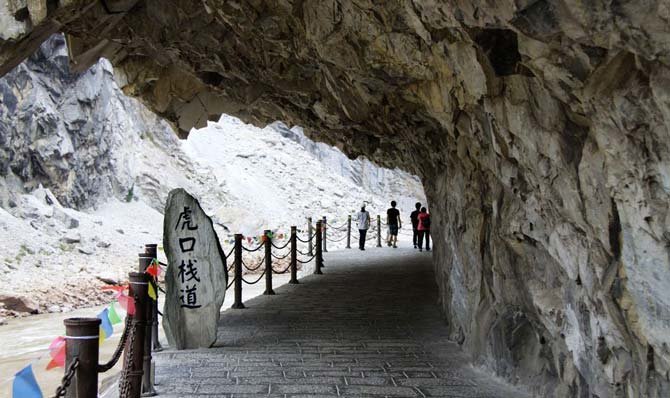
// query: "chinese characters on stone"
[[188, 269]]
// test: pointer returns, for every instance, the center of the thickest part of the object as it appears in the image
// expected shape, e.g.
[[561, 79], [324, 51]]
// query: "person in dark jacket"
[[415, 223], [424, 228]]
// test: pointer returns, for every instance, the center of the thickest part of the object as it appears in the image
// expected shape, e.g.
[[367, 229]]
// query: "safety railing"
[[140, 333]]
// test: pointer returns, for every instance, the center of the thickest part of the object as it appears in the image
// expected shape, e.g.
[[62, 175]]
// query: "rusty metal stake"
[[324, 226], [152, 251], [294, 256], [310, 248], [319, 254], [147, 379], [379, 231], [238, 272], [268, 263], [139, 283], [82, 337]]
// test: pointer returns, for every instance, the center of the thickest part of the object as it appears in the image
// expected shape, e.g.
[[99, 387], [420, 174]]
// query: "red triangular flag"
[[127, 303], [57, 353], [152, 270]]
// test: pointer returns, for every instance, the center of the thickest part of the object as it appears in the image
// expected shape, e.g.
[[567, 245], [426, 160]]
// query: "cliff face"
[[540, 130]]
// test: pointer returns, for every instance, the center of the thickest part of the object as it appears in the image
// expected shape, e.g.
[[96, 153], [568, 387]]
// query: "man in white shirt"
[[363, 221]]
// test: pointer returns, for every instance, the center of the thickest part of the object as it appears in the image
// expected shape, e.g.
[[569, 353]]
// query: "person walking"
[[415, 223], [363, 221], [394, 223], [424, 228]]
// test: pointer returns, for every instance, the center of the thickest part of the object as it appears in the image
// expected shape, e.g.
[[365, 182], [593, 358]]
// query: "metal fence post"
[[152, 251], [310, 248], [82, 337], [379, 231], [324, 227], [135, 349], [147, 379], [319, 254], [294, 256], [268, 262], [349, 232], [238, 272]]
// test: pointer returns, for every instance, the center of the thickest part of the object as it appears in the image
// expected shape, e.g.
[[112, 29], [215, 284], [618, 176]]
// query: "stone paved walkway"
[[368, 327]]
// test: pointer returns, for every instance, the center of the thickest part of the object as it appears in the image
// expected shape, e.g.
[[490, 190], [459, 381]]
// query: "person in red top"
[[424, 228]]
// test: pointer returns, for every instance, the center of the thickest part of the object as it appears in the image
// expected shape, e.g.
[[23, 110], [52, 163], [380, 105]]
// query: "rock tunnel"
[[540, 130]]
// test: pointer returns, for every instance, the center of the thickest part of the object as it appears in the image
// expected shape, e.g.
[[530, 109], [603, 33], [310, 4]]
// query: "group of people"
[[420, 226]]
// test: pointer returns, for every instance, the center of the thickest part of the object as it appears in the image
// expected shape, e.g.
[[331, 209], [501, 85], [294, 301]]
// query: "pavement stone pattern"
[[369, 327]]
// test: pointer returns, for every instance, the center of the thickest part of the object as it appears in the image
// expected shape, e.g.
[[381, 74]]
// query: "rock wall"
[[540, 130]]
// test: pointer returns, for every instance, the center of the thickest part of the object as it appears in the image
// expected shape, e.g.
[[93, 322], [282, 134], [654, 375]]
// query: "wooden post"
[[324, 227], [268, 263], [310, 248], [349, 232], [147, 381], [294, 256], [152, 251], [139, 283], [379, 231], [319, 254], [238, 272], [82, 336]]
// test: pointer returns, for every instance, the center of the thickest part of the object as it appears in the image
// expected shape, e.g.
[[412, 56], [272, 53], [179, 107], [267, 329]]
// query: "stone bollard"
[[349, 232], [324, 227], [294, 256], [268, 263], [238, 272], [82, 337], [139, 282], [319, 254], [152, 250], [147, 375], [310, 248], [379, 231]]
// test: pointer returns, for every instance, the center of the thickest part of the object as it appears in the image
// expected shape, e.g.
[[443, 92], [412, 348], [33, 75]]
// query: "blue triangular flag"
[[25, 385], [106, 325]]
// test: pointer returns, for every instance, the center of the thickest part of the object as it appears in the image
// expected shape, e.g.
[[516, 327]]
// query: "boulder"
[[196, 277], [71, 237], [19, 304]]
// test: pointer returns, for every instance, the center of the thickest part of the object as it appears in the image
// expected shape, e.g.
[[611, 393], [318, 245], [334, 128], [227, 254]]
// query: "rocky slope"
[[539, 128], [85, 172]]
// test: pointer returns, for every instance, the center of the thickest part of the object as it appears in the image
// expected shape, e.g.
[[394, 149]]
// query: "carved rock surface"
[[539, 128], [196, 279]]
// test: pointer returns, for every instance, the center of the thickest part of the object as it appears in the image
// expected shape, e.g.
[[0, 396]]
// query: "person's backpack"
[[426, 222]]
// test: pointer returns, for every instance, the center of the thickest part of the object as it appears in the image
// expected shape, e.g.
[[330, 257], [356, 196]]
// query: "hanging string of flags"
[[25, 384]]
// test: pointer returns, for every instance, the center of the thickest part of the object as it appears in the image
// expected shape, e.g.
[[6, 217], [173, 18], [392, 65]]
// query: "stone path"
[[368, 327]]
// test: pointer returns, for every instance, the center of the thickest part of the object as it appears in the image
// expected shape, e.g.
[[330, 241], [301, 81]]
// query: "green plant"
[[129, 196]]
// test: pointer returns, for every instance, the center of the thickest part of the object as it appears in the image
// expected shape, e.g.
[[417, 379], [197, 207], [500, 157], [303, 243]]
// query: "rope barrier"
[[256, 281], [253, 250], [102, 368], [284, 271], [232, 280], [340, 239], [281, 257], [341, 227], [230, 252], [303, 253], [254, 268], [306, 261], [308, 240], [280, 247]]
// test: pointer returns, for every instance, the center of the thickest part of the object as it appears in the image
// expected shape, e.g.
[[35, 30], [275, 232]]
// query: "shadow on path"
[[369, 327]]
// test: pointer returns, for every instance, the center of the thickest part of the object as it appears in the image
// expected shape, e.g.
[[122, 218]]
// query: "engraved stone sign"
[[196, 277]]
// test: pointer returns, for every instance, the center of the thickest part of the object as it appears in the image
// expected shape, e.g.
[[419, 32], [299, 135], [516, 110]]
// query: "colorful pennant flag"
[[127, 303], [57, 353], [25, 385], [106, 325], [153, 269], [114, 318], [151, 291]]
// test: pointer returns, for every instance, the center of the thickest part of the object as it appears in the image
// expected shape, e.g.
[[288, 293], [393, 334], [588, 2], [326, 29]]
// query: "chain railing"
[[140, 333]]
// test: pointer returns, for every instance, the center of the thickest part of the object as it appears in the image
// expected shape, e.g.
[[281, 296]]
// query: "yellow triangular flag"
[[152, 292], [102, 336]]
